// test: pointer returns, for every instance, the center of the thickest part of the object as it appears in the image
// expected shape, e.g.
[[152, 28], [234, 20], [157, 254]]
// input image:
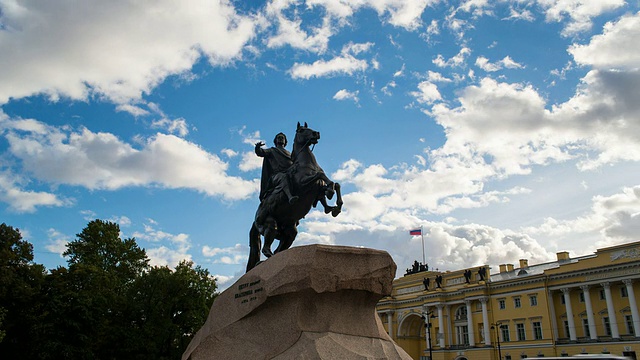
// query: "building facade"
[[562, 308]]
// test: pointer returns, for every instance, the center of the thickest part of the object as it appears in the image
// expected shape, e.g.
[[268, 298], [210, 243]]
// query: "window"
[[602, 296], [582, 297], [562, 299], [566, 329], [585, 327], [537, 330], [523, 356], [507, 357], [461, 313], [522, 336], [628, 319], [623, 292], [505, 333], [517, 303], [462, 335], [502, 304], [533, 300], [607, 326]]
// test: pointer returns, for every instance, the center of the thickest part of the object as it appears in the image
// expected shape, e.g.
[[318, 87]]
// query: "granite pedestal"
[[308, 302]]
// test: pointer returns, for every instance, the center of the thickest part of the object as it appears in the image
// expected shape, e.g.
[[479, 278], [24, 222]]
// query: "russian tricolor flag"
[[415, 232]]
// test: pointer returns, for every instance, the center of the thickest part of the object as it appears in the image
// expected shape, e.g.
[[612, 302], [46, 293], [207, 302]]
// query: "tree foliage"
[[107, 304], [20, 286]]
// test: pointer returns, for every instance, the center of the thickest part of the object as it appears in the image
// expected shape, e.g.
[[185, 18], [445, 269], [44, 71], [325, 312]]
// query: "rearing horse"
[[281, 219]]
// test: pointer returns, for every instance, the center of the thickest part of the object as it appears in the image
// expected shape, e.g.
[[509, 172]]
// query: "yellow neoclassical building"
[[562, 308]]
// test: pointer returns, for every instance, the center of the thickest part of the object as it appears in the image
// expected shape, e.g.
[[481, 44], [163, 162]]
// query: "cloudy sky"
[[507, 129]]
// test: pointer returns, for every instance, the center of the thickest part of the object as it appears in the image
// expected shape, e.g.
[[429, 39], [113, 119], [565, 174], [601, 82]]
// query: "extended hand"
[[259, 144]]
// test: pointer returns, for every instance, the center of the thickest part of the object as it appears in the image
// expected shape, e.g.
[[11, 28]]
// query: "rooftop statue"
[[291, 184]]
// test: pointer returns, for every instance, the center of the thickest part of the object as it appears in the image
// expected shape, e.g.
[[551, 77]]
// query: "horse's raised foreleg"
[[254, 247], [323, 201], [329, 187]]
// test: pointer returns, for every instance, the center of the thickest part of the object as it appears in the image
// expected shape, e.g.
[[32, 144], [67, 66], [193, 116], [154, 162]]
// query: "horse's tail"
[[254, 247]]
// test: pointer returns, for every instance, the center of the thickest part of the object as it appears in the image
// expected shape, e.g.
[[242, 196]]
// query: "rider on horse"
[[279, 212], [275, 166]]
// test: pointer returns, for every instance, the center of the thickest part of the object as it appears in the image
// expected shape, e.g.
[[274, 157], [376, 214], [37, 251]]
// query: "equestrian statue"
[[290, 185]]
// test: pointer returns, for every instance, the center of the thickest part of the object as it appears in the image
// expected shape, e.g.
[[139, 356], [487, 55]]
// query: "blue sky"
[[506, 129]]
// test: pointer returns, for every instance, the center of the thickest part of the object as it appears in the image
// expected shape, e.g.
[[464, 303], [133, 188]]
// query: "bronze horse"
[[276, 218]]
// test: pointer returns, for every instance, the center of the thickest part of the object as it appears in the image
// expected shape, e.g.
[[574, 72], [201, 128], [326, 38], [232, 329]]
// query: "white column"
[[611, 311], [390, 322], [472, 340], [633, 306], [485, 320], [425, 312], [593, 333], [567, 304], [554, 322], [449, 325], [441, 324]]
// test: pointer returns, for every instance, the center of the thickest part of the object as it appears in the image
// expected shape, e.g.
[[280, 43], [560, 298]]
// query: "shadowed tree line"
[[108, 303]]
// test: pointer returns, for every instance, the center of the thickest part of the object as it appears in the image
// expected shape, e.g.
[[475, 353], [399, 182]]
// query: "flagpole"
[[422, 236]]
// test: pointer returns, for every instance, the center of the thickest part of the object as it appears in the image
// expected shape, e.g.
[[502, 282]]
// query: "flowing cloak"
[[276, 160]]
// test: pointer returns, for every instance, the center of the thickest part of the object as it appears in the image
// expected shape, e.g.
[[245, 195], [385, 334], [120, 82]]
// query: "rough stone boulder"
[[308, 302]]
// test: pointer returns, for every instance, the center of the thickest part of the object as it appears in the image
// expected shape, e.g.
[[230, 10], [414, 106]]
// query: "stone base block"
[[308, 302]]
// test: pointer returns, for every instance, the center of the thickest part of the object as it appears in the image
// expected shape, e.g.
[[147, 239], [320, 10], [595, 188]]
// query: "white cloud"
[[177, 126], [437, 77], [123, 221], [387, 88], [428, 93], [57, 242], [132, 109], [250, 161], [25, 201], [615, 48], [174, 248], [102, 161], [520, 14], [356, 48], [400, 72], [457, 60], [233, 255], [229, 153], [59, 49], [616, 218], [345, 94], [340, 65], [290, 32], [400, 13], [578, 12], [507, 62]]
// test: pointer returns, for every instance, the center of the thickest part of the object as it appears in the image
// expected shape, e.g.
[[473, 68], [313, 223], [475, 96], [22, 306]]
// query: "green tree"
[[20, 301], [169, 307], [107, 304], [89, 299]]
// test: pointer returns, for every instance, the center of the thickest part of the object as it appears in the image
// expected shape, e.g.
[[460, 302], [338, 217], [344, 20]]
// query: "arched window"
[[461, 313]]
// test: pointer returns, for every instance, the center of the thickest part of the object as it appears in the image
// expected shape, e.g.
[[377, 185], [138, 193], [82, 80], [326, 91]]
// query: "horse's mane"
[[295, 150]]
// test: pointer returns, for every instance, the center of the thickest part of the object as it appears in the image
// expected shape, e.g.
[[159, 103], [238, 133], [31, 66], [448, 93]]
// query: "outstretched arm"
[[259, 150]]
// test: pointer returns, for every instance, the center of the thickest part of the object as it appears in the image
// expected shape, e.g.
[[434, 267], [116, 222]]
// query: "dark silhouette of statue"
[[482, 272], [467, 276], [439, 281], [280, 211], [425, 282], [277, 160]]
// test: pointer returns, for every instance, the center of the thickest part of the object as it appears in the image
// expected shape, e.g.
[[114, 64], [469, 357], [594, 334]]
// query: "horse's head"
[[306, 136]]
